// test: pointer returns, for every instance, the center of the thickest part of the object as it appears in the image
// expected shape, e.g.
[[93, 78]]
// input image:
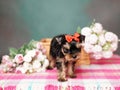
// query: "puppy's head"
[[71, 49]]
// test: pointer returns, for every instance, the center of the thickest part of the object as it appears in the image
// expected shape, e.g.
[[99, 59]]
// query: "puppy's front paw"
[[50, 67], [73, 76], [62, 79]]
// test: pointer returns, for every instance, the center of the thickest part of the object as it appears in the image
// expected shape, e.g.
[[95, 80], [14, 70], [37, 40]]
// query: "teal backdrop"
[[24, 20], [47, 18]]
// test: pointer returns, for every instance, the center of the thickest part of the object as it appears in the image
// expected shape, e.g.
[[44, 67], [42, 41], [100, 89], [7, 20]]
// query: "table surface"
[[101, 74]]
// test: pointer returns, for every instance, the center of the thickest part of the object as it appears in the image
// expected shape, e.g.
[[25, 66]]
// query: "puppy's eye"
[[65, 50]]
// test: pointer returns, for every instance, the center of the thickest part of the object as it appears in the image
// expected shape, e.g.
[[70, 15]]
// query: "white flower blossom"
[[41, 57], [102, 40], [5, 58], [21, 69], [39, 45], [114, 46], [88, 47], [27, 65], [97, 48], [86, 31], [87, 40], [109, 36], [36, 64], [97, 28], [93, 39], [46, 63], [107, 54], [27, 58], [18, 58], [31, 53]]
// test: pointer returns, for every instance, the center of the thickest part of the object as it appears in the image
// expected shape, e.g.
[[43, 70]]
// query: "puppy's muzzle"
[[74, 56]]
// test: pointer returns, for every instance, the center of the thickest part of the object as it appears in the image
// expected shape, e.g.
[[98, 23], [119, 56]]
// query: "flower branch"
[[99, 42], [27, 59]]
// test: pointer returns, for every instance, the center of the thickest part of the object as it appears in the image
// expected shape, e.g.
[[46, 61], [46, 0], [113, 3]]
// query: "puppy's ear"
[[58, 39], [82, 38]]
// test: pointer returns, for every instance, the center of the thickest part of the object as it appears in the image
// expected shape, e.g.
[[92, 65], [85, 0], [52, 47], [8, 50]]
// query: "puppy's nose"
[[74, 56]]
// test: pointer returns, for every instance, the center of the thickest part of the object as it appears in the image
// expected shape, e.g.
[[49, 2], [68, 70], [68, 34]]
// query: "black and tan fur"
[[64, 56]]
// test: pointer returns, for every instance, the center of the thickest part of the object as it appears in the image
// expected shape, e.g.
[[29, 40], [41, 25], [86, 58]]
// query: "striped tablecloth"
[[101, 74]]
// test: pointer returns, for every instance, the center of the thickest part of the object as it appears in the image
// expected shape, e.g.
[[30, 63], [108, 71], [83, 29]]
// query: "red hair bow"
[[69, 38]]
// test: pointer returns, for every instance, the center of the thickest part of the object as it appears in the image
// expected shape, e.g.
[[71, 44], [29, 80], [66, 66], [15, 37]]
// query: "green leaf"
[[31, 44], [78, 29], [93, 23], [13, 52], [22, 49]]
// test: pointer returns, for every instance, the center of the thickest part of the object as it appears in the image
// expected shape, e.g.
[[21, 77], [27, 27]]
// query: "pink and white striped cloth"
[[101, 74]]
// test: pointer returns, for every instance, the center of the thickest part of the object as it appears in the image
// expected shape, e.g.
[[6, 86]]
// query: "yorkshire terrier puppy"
[[64, 52]]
